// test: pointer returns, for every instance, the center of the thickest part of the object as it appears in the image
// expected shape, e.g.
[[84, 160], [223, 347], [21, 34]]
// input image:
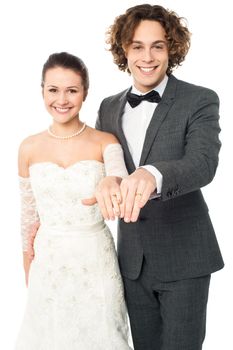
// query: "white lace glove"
[[114, 161], [29, 214]]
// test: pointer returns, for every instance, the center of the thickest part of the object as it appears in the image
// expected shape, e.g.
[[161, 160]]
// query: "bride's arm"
[[108, 193], [29, 213]]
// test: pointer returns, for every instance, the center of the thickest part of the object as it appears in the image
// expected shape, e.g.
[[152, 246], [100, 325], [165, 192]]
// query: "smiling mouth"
[[147, 69], [62, 110]]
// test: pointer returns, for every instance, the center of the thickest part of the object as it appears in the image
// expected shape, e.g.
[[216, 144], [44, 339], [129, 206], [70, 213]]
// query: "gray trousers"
[[167, 315]]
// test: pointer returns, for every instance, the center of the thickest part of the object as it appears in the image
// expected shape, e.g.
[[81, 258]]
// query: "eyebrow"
[[154, 42], [68, 87]]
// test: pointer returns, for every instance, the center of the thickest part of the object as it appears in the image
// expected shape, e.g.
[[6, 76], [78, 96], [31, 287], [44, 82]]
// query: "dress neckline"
[[67, 167]]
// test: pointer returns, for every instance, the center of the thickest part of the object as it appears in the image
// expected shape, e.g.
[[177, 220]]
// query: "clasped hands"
[[123, 198]]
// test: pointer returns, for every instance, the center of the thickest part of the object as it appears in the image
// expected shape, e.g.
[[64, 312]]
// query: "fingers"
[[116, 200], [108, 196], [129, 204], [89, 201], [136, 207], [136, 190], [145, 195], [109, 206], [124, 192], [105, 204], [141, 198], [133, 202]]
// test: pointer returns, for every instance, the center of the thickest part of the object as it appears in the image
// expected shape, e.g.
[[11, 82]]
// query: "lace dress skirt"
[[75, 293]]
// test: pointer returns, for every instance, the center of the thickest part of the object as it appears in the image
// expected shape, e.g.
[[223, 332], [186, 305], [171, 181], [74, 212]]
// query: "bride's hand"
[[108, 197]]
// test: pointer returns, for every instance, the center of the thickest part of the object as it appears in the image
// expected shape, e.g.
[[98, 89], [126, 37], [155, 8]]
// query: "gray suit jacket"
[[174, 233]]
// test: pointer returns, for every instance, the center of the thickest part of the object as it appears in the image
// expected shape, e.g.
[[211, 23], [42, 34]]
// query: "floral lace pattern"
[[29, 214], [114, 160], [75, 293], [58, 193]]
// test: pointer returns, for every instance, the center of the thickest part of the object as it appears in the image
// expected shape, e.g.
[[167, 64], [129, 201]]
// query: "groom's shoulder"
[[116, 98], [186, 89]]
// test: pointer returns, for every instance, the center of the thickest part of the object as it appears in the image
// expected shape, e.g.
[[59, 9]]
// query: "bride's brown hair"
[[68, 61]]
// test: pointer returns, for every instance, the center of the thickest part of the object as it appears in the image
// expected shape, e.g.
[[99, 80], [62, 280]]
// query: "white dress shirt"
[[135, 122]]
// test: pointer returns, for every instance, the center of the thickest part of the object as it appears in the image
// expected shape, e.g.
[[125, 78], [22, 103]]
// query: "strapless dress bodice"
[[59, 191]]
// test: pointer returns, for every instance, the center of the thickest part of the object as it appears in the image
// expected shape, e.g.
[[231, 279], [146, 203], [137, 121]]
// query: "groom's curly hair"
[[120, 34]]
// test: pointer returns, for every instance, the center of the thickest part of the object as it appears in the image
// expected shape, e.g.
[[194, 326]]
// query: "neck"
[[160, 86], [67, 128]]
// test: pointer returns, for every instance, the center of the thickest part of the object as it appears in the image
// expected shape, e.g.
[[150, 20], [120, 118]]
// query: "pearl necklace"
[[68, 136]]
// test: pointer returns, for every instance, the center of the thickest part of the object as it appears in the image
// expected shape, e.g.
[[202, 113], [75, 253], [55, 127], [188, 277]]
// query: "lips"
[[147, 69], [62, 110]]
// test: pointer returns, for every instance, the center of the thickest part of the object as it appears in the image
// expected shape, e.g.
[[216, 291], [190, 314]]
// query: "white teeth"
[[62, 110], [146, 70]]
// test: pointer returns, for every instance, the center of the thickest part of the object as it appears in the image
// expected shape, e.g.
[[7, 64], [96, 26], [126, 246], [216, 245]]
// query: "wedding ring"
[[116, 198], [138, 194]]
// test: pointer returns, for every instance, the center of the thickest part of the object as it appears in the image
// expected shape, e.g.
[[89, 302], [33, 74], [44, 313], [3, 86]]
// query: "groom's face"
[[147, 55]]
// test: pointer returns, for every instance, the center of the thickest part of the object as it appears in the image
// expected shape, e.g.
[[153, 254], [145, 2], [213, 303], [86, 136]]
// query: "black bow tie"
[[134, 100]]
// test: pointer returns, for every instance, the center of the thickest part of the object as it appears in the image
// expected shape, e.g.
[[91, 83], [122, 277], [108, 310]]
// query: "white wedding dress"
[[75, 292]]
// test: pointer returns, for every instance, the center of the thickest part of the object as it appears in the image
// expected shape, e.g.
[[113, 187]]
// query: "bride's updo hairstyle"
[[68, 61]]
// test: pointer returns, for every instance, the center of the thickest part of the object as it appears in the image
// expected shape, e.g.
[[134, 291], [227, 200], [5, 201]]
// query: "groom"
[[166, 243]]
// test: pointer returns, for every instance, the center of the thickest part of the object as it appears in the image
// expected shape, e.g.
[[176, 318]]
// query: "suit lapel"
[[158, 117], [119, 109]]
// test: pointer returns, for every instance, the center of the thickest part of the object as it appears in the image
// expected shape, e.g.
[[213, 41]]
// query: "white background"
[[30, 31]]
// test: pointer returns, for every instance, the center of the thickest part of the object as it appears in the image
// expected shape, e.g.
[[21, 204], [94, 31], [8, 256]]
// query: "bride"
[[75, 292]]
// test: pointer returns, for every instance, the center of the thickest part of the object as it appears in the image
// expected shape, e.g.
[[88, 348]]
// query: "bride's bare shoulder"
[[31, 141], [103, 137]]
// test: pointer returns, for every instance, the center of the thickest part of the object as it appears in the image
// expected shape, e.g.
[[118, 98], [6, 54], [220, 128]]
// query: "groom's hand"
[[136, 190], [108, 197]]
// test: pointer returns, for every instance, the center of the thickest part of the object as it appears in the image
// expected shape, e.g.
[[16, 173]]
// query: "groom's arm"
[[198, 165], [194, 170]]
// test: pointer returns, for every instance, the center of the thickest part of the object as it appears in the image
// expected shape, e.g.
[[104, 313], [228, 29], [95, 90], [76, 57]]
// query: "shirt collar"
[[160, 88]]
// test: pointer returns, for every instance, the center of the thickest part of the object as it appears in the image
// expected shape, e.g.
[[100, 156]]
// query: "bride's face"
[[63, 94]]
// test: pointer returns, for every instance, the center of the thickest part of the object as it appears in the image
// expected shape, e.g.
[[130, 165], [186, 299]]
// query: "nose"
[[62, 98], [147, 55]]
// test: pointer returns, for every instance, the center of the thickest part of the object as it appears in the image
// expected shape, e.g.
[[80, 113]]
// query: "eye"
[[159, 46], [52, 90], [137, 47], [72, 91]]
